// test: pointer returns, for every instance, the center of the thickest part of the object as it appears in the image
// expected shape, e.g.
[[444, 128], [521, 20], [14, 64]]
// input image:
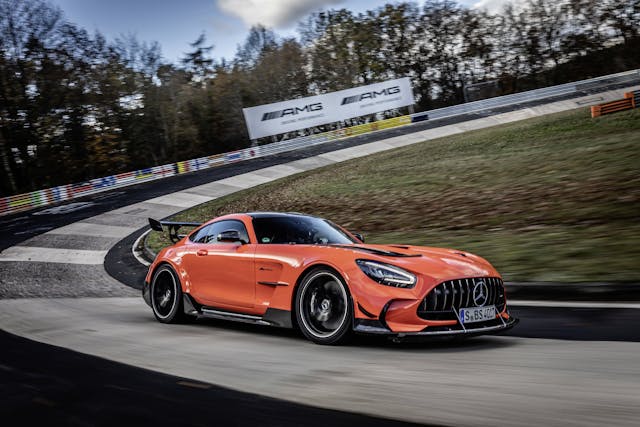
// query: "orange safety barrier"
[[613, 107], [635, 98]]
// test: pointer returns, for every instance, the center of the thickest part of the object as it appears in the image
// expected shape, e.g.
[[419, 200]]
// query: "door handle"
[[202, 252]]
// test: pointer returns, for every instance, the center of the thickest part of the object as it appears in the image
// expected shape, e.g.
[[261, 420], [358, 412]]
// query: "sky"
[[174, 24]]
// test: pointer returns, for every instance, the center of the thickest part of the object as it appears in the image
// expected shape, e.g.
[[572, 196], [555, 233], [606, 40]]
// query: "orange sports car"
[[294, 270]]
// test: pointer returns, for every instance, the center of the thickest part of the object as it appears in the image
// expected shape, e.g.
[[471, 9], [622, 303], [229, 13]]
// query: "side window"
[[201, 235], [209, 234]]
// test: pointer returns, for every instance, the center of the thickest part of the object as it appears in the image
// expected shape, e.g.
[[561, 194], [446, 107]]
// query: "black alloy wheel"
[[324, 310], [166, 295]]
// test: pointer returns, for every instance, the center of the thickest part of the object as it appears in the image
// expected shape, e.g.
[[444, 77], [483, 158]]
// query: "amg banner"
[[287, 116]]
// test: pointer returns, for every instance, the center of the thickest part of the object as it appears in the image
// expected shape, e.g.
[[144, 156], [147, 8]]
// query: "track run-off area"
[[574, 364]]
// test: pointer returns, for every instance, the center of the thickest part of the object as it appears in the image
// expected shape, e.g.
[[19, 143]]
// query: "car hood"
[[438, 263]]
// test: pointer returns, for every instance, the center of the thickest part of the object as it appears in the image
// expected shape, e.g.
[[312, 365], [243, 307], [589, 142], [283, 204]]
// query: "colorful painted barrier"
[[49, 196]]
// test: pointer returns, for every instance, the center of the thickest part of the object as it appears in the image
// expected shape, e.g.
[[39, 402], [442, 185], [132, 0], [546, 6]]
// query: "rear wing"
[[172, 227]]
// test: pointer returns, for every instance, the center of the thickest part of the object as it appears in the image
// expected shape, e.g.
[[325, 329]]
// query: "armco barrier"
[[628, 77], [40, 198]]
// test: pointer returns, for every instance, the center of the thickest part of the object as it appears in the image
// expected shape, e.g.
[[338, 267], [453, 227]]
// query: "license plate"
[[477, 314]]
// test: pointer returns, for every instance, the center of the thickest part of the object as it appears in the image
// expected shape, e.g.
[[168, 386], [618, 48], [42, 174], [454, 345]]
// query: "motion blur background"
[[75, 104], [545, 200]]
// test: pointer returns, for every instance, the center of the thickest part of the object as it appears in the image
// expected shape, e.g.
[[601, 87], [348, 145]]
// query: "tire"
[[166, 296], [323, 307]]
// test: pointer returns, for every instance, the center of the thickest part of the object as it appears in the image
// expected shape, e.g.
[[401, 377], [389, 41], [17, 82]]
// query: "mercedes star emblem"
[[480, 293]]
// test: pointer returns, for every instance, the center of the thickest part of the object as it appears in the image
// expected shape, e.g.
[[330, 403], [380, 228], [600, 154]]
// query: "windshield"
[[298, 229]]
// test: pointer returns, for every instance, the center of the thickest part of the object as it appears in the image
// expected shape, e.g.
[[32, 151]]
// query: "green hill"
[[555, 198]]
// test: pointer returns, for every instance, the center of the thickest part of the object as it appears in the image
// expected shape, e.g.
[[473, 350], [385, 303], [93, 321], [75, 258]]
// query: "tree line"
[[75, 106]]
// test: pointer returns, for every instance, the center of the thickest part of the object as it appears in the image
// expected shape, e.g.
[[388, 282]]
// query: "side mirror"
[[359, 236], [230, 236]]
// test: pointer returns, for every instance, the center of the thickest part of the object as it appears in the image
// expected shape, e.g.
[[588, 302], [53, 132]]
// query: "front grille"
[[443, 302]]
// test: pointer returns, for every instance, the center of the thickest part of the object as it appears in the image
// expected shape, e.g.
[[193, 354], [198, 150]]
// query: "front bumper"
[[377, 327], [401, 312]]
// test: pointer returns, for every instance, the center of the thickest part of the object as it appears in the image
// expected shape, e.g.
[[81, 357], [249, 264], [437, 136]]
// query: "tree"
[[437, 64], [27, 29], [623, 16], [331, 65], [399, 35], [198, 62], [259, 41]]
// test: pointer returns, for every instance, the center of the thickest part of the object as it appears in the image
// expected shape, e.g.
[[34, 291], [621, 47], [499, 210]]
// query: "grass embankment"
[[555, 198]]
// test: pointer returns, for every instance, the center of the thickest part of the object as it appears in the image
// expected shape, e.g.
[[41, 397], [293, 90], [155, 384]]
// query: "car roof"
[[276, 214]]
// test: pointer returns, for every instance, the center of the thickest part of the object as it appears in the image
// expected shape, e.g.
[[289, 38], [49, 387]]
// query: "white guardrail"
[[631, 77], [49, 196]]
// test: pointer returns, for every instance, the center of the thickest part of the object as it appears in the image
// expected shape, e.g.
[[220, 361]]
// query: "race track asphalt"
[[47, 385], [476, 382]]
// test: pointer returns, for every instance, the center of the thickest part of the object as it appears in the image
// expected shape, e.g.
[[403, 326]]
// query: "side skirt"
[[236, 317], [272, 317]]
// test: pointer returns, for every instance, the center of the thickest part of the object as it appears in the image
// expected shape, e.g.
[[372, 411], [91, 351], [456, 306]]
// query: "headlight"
[[386, 274]]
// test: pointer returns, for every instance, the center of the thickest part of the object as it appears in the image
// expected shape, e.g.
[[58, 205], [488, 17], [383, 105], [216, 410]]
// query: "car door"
[[221, 274]]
